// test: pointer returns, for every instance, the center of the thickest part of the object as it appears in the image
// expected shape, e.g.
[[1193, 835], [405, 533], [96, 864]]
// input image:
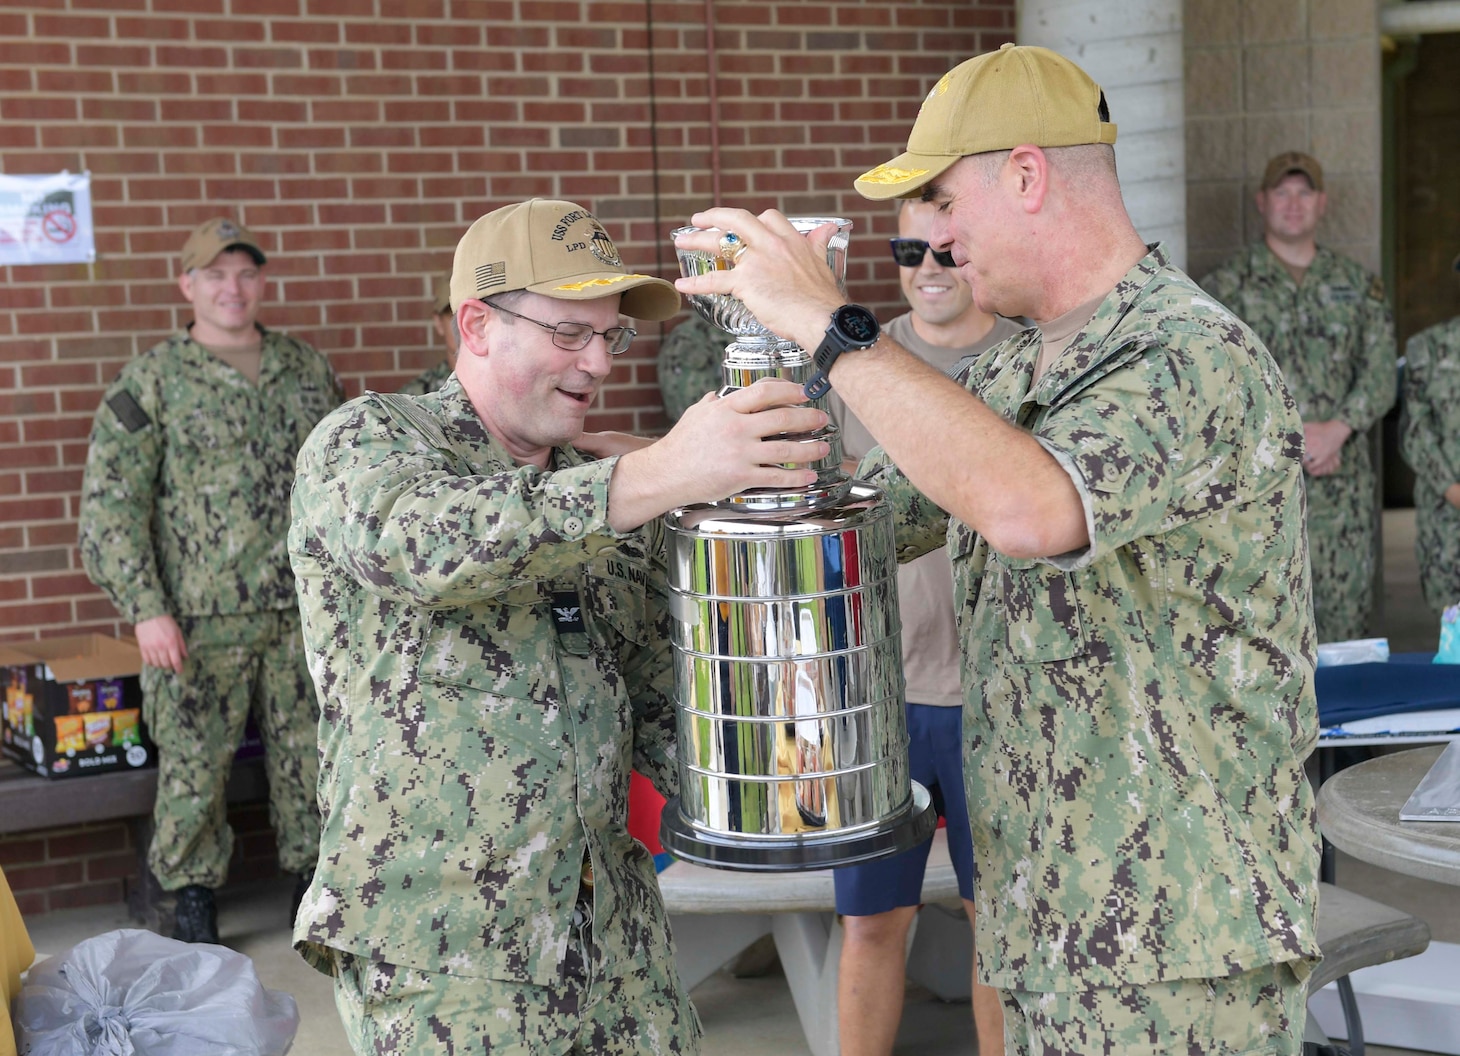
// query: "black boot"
[[301, 888], [196, 917]]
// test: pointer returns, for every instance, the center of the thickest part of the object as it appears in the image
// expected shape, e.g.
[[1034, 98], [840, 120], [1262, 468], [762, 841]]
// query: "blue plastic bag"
[[1449, 636]]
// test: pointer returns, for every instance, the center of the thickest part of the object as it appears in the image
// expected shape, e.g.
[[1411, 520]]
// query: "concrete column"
[[1421, 16], [1133, 50]]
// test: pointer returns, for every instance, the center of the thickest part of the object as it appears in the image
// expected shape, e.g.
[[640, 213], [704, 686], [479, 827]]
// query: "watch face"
[[858, 323]]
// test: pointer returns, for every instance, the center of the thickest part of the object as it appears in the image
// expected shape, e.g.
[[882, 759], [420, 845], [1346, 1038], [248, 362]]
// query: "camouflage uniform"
[[1333, 338], [184, 512], [1137, 712], [1430, 441], [492, 660], [429, 380], [689, 364], [1262, 1010]]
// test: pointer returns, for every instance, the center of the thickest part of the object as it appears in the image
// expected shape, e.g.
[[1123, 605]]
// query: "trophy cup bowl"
[[787, 643], [729, 313], [758, 353]]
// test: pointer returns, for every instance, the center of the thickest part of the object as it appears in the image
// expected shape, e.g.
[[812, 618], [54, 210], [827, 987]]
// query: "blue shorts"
[[935, 758]]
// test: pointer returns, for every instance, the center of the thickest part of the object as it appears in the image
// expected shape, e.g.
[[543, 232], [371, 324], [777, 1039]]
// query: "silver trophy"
[[787, 645]]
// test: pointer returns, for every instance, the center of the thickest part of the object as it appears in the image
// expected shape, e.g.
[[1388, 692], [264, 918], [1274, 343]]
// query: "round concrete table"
[[1358, 811]]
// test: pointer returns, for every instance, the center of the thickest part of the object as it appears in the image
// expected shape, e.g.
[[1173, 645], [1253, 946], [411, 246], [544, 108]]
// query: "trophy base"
[[789, 854]]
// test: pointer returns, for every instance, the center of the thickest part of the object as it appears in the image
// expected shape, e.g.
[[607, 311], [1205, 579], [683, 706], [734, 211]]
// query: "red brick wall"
[[359, 139], [89, 865], [99, 864]]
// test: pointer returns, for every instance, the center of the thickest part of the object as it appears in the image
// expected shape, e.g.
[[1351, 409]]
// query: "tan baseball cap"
[[996, 101], [557, 249], [1289, 162], [213, 237], [441, 294]]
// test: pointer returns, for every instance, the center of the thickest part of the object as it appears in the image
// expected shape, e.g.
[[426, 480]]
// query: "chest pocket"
[[306, 406], [222, 428], [503, 648], [1041, 610], [1444, 385], [615, 597], [1334, 316]]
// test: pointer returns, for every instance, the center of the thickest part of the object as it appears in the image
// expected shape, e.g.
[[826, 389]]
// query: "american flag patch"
[[489, 275]]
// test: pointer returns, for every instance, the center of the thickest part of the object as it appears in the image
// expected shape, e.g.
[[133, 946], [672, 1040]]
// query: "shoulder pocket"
[[128, 411], [968, 560], [1109, 477], [961, 539]]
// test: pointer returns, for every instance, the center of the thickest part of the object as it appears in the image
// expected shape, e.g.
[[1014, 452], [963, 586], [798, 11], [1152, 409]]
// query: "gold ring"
[[731, 246]]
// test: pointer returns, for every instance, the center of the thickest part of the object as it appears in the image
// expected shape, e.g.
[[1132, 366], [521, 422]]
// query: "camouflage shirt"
[[492, 660], [429, 380], [1137, 713], [1332, 336], [1430, 441], [185, 501]]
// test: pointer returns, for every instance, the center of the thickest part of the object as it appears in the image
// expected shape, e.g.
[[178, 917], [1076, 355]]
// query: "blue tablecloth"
[[1408, 682]]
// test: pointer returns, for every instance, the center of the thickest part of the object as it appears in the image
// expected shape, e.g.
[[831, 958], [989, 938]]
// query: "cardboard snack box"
[[73, 706]]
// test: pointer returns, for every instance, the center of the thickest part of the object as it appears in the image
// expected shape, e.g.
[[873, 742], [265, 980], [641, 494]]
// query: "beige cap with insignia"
[[1289, 162], [557, 249], [996, 101], [213, 237]]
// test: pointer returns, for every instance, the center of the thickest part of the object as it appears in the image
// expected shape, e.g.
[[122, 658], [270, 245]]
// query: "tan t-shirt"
[[1061, 330], [930, 654], [1297, 271], [248, 360]]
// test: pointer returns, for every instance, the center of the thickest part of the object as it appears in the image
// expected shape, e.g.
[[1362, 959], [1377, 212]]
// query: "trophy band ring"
[[787, 644]]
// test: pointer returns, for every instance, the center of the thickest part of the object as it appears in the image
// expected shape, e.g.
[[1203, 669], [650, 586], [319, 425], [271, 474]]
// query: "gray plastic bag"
[[132, 992]]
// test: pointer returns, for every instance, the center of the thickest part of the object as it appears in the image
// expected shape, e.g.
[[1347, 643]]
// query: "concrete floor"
[[754, 1016]]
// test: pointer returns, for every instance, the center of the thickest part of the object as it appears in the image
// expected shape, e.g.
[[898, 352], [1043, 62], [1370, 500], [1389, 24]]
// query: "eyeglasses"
[[909, 253], [572, 336]]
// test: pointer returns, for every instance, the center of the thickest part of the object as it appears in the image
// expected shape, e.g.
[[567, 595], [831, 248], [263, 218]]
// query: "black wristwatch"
[[852, 327]]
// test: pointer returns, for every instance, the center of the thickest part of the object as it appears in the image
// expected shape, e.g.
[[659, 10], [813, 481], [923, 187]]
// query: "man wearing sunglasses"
[[879, 900], [1121, 493], [484, 609]]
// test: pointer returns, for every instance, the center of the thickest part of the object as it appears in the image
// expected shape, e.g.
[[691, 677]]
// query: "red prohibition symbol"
[[59, 225]]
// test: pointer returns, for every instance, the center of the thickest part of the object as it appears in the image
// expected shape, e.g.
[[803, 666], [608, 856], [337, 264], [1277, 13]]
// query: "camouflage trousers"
[[1260, 1011], [1341, 547], [388, 1008], [1437, 546], [236, 664]]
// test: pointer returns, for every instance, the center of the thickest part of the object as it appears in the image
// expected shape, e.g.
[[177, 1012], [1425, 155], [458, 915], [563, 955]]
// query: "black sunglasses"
[[572, 336], [909, 253]]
